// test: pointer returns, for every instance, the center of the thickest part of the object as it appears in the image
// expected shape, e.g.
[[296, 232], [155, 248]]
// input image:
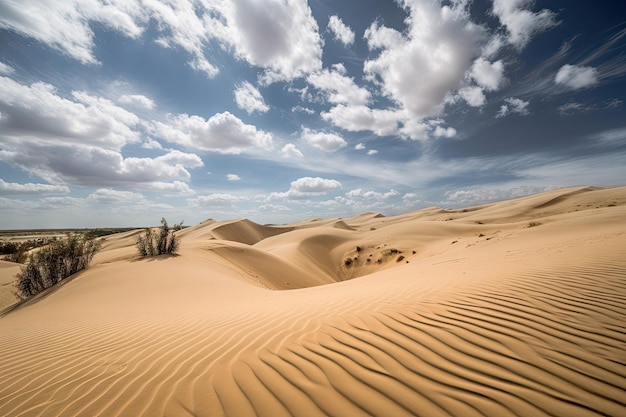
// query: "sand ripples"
[[506, 352]]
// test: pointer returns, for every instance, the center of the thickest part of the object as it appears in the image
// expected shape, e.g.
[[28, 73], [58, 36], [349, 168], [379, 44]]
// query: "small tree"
[[53, 263], [159, 243]]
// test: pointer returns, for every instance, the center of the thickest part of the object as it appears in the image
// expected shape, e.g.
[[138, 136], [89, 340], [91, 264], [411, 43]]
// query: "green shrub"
[[163, 242], [53, 263]]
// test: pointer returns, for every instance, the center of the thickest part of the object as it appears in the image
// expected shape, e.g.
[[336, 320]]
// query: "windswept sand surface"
[[433, 313]]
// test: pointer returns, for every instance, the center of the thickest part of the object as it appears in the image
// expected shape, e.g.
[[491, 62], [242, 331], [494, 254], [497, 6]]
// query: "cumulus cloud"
[[249, 98], [98, 167], [223, 132], [307, 187], [513, 106], [291, 151], [326, 141], [169, 188], [576, 77], [37, 111], [214, 200], [13, 188], [383, 122], [474, 96], [359, 147], [373, 195], [442, 132], [521, 23], [338, 87], [340, 30], [110, 196], [280, 36], [418, 69], [488, 75], [233, 177], [372, 152], [137, 100]]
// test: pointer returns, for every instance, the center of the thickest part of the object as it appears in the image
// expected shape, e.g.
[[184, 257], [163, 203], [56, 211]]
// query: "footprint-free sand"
[[516, 308]]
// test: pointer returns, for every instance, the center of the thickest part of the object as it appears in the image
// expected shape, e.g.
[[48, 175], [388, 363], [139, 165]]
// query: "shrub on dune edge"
[[163, 242], [53, 263]]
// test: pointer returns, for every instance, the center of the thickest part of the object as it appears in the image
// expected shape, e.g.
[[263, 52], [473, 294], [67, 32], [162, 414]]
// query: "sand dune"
[[515, 308]]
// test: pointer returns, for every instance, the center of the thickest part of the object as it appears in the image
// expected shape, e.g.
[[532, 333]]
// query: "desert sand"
[[516, 308]]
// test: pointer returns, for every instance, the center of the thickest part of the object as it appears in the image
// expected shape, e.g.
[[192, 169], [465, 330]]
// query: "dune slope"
[[508, 309]]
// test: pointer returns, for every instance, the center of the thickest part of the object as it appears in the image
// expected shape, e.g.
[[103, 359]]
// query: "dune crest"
[[515, 308]]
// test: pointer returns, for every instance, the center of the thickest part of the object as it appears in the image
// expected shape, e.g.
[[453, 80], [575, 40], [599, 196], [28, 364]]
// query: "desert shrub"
[[534, 224], [53, 263], [8, 247], [19, 256], [153, 243]]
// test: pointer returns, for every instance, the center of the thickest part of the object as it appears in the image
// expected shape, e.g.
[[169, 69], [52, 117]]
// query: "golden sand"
[[515, 308]]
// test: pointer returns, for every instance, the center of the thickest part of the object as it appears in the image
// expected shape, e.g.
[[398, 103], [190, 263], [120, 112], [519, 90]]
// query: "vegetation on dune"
[[161, 242], [53, 263], [18, 252]]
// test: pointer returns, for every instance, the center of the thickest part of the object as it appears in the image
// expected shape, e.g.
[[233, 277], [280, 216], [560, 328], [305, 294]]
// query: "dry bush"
[[163, 242], [53, 263]]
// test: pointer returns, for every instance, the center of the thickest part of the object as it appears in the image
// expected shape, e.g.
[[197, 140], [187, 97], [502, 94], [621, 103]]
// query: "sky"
[[116, 113]]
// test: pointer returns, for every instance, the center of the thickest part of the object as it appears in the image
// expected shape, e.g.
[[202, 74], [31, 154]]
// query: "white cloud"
[[372, 152], [13, 188], [359, 147], [249, 98], [66, 26], [419, 69], [382, 37], [488, 75], [37, 111], [214, 200], [576, 77], [223, 132], [513, 105], [341, 31], [486, 195], [169, 188], [359, 118], [521, 23], [441, 132], [373, 195], [233, 177], [6, 69], [307, 187], [110, 196], [339, 87], [474, 96], [328, 142], [273, 207], [291, 151], [301, 109], [98, 167], [183, 24], [137, 100], [280, 36]]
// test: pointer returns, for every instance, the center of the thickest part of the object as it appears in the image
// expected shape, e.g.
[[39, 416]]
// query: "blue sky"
[[117, 113]]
